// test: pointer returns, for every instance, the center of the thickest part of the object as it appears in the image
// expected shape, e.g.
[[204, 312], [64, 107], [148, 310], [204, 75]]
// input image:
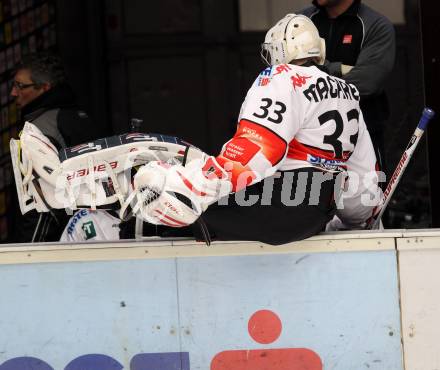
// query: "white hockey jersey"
[[88, 225], [295, 117]]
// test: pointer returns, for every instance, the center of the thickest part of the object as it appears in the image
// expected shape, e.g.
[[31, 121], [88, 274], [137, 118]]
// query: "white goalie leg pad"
[[43, 154], [177, 195], [112, 168], [34, 156], [91, 179], [25, 200]]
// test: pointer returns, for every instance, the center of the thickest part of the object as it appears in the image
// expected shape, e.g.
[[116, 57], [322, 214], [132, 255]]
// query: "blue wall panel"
[[343, 306], [178, 314]]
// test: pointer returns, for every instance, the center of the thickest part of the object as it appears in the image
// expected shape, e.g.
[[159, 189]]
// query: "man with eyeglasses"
[[42, 93], [22, 92], [44, 97]]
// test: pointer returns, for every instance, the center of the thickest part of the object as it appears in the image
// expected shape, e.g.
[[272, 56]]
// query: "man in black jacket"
[[360, 46], [45, 99]]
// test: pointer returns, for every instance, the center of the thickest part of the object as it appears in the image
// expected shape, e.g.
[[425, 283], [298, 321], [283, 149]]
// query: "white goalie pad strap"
[[24, 187], [97, 176]]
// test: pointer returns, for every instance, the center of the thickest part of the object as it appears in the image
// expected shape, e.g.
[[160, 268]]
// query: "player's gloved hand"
[[176, 195], [345, 68]]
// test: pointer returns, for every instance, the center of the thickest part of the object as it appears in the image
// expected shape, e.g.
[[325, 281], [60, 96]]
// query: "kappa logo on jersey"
[[281, 69], [299, 81]]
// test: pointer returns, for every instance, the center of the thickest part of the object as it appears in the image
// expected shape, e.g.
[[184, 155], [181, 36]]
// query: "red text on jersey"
[[249, 140]]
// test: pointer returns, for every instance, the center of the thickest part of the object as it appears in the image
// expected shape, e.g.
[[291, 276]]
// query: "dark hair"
[[45, 67]]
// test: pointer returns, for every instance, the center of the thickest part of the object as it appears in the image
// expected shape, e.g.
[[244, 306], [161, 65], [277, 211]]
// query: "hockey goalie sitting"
[[301, 155], [299, 129]]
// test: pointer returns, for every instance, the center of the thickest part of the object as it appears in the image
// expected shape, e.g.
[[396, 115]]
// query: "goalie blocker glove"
[[176, 195]]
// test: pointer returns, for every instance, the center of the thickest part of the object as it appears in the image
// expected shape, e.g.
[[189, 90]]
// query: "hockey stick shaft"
[[427, 115]]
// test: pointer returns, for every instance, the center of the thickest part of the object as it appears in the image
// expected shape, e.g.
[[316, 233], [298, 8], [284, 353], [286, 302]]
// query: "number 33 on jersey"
[[295, 117]]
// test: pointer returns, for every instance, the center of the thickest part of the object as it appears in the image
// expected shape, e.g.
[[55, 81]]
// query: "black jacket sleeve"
[[376, 58]]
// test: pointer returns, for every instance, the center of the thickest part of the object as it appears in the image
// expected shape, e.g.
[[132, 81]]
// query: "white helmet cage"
[[293, 37]]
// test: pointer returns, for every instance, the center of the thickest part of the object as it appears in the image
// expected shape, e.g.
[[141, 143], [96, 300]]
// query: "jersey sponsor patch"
[[263, 81], [326, 164], [318, 157], [240, 150], [264, 77], [89, 230], [74, 220], [271, 145], [266, 72]]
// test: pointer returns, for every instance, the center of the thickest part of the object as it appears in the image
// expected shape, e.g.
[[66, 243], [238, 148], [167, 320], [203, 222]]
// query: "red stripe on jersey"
[[301, 151], [250, 139], [190, 186], [271, 145]]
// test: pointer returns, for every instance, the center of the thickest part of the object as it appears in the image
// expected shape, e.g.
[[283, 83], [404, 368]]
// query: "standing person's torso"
[[343, 36], [47, 121], [55, 113]]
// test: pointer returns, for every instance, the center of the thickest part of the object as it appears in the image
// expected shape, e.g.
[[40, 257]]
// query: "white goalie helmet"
[[293, 37]]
